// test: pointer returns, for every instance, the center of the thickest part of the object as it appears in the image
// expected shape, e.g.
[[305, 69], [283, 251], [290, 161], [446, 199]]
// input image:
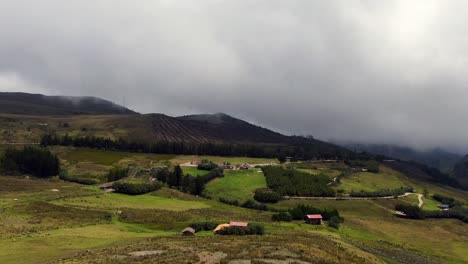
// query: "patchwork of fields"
[[61, 222]]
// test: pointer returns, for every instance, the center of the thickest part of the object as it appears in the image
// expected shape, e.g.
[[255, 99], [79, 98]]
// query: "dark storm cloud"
[[371, 71]]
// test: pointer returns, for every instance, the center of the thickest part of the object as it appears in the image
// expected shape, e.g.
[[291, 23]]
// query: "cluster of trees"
[[302, 150], [251, 229], [136, 188], [66, 177], [36, 161], [300, 211], [117, 173], [187, 183], [370, 165], [203, 226], [452, 202], [456, 213], [250, 204], [296, 183], [414, 212], [207, 165], [382, 193], [265, 195]]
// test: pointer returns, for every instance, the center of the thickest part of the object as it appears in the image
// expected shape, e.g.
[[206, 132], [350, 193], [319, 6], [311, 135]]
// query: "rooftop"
[[314, 216]]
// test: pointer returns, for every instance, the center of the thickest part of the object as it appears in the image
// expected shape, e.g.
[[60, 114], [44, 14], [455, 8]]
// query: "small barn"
[[188, 231], [314, 219]]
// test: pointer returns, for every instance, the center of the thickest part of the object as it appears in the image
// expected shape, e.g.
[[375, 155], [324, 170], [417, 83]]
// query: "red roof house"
[[238, 224], [314, 219]]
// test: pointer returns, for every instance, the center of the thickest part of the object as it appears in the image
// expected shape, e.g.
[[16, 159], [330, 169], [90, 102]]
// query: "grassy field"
[[236, 185], [116, 201], [385, 179], [194, 171]]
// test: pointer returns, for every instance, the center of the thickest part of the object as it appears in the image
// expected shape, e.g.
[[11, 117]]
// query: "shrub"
[[282, 217], [136, 188], [335, 222], [251, 204], [228, 201], [265, 195], [251, 229], [206, 226]]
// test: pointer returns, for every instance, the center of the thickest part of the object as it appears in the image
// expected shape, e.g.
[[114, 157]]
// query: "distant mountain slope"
[[460, 171], [232, 129], [437, 158], [37, 104]]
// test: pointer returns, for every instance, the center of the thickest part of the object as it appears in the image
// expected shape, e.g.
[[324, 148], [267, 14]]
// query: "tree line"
[[414, 212], [39, 162], [305, 151], [292, 182], [382, 193]]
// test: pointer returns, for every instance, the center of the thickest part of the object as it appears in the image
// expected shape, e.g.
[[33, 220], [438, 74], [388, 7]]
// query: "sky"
[[366, 71]]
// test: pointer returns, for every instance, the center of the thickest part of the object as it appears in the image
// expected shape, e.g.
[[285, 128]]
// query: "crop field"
[[236, 185]]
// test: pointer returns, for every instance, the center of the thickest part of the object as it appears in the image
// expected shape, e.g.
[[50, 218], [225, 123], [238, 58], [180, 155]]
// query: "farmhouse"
[[238, 224], [314, 219], [188, 231]]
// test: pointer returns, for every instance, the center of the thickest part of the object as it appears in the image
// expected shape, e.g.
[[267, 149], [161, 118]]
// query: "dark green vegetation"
[[266, 195], [414, 212], [252, 229], [39, 162], [203, 226], [450, 201], [188, 183], [297, 183], [135, 188], [383, 192]]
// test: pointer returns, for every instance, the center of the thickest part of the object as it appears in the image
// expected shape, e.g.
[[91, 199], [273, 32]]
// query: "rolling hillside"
[[38, 104]]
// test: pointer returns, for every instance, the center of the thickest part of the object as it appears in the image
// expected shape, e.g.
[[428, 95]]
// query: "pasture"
[[386, 178], [236, 185]]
